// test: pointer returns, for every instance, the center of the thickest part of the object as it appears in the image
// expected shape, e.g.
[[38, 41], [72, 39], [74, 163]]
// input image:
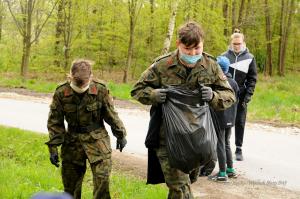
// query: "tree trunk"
[[248, 9], [67, 33], [27, 24], [241, 12], [133, 13], [111, 57], [151, 34], [268, 67], [129, 52], [169, 35], [291, 10], [225, 16], [233, 15], [1, 17], [280, 45], [58, 32]]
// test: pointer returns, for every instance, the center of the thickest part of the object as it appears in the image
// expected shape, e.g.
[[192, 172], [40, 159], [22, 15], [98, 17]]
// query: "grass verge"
[[25, 169]]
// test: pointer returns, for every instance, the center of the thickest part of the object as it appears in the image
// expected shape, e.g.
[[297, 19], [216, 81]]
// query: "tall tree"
[[241, 13], [168, 39], [225, 16], [268, 68], [151, 32], [233, 15], [67, 31], [111, 57], [24, 26], [59, 32], [286, 22], [1, 17], [134, 7], [247, 15]]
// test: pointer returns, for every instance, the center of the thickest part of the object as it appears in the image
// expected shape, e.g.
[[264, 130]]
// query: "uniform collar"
[[93, 90]]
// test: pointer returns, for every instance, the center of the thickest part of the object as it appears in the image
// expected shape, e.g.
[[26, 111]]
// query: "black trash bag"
[[189, 130]]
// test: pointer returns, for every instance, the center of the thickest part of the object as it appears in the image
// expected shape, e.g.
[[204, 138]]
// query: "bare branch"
[[19, 27], [43, 24]]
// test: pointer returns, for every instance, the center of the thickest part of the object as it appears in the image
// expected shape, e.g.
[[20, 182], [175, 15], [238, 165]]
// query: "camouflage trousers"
[[177, 181], [72, 176]]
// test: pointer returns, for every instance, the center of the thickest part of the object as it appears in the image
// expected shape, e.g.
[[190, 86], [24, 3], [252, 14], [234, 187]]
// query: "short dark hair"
[[190, 34], [81, 71]]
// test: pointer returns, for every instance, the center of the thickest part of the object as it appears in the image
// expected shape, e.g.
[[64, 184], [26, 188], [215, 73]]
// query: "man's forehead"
[[193, 45]]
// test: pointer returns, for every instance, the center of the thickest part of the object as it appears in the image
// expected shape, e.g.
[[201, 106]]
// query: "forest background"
[[39, 39]]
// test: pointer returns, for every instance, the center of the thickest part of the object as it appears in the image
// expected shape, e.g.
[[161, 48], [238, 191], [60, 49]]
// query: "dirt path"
[[203, 188]]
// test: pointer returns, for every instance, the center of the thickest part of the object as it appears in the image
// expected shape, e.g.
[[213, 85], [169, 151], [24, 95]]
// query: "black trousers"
[[223, 150], [240, 122]]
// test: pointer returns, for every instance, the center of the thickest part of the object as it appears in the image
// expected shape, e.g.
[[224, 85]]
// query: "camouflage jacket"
[[167, 70], [91, 107]]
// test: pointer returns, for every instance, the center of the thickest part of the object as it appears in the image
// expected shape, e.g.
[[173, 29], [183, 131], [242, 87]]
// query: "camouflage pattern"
[[177, 181], [168, 70], [92, 107]]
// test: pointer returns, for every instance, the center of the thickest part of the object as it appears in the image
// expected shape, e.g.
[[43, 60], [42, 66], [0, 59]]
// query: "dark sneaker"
[[218, 177], [239, 156]]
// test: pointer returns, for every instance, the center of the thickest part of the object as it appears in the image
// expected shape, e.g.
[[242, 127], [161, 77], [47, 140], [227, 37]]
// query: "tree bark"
[[225, 16], [233, 15], [133, 9], [151, 34], [59, 32], [280, 44], [247, 15], [241, 13], [67, 33], [111, 57], [171, 26], [268, 67], [291, 10], [1, 17]]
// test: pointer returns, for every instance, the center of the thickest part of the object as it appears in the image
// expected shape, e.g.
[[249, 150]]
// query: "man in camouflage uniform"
[[84, 104], [188, 66]]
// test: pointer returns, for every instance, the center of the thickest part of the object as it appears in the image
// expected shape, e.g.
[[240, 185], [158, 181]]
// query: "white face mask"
[[78, 89]]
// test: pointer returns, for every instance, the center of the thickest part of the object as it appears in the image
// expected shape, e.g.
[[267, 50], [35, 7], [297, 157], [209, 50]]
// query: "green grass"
[[121, 91], [276, 100], [25, 169]]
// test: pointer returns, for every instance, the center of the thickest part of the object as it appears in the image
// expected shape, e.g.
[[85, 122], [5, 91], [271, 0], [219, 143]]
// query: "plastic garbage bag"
[[189, 130]]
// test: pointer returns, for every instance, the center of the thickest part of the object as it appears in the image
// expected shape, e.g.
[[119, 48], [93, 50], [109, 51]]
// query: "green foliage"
[[25, 169], [100, 32]]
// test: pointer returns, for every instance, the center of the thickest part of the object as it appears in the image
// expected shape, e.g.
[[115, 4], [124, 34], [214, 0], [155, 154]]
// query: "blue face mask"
[[190, 59]]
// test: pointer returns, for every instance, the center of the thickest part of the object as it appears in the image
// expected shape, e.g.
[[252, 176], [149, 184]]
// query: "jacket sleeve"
[[55, 124], [148, 81], [251, 79], [111, 117], [223, 94]]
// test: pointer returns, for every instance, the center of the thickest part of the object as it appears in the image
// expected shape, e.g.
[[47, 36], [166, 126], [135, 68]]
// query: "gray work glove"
[[206, 93], [54, 155], [121, 143], [159, 95]]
